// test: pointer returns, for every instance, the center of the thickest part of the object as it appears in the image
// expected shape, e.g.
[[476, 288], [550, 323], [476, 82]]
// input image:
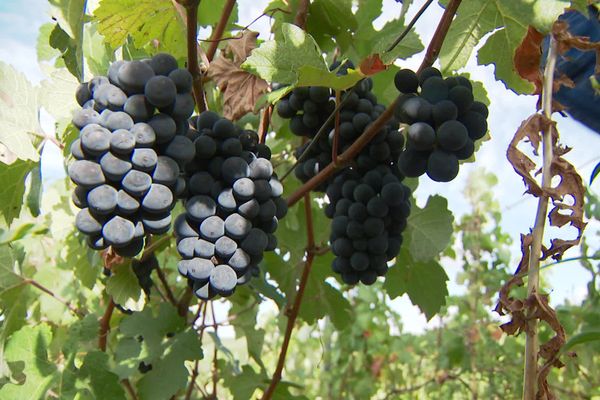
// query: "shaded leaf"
[[12, 188], [429, 229], [595, 173], [124, 288], [34, 196], [580, 338], [424, 282], [103, 383]]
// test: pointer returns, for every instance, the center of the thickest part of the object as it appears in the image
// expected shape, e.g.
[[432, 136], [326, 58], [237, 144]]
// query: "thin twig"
[[58, 298], [433, 50], [322, 130], [220, 28], [336, 131], [533, 277], [265, 120], [293, 312], [105, 325], [215, 371], [240, 34], [409, 26], [125, 382], [165, 284], [190, 388], [184, 302], [373, 129]]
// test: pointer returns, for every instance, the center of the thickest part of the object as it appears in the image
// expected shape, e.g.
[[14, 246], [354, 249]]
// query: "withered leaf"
[[527, 58], [240, 89]]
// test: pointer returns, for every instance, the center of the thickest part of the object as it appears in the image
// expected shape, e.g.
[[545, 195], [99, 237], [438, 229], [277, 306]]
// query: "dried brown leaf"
[[527, 58], [240, 89]]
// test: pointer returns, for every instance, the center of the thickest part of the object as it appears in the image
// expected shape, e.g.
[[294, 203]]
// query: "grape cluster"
[[308, 109], [369, 213], [232, 210], [130, 150], [444, 122]]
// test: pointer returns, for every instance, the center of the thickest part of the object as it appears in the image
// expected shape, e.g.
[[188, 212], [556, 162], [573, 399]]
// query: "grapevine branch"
[[105, 325], [219, 29], [533, 277], [343, 159], [49, 292], [301, 14], [190, 389], [293, 312]]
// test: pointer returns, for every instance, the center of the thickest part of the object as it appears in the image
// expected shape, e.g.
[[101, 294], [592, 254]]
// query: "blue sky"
[[20, 20]]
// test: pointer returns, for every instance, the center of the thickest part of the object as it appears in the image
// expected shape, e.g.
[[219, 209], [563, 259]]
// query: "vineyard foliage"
[[82, 324]]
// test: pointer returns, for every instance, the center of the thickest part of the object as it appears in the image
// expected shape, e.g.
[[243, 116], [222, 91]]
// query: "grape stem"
[[301, 14], [409, 26], [219, 29], [344, 159], [533, 276], [264, 123], [336, 131], [105, 325], [292, 313]]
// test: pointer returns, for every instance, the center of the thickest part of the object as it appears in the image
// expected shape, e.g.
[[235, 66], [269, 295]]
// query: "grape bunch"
[[232, 210], [368, 217], [308, 109], [444, 123], [130, 151]]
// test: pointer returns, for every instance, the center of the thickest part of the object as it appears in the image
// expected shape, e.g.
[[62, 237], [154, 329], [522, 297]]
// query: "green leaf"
[[124, 288], [152, 24], [18, 114], [580, 338], [29, 348], [61, 41], [311, 76], [424, 282], [57, 94], [279, 60], [429, 229], [70, 16], [242, 385], [12, 187], [45, 52], [9, 273], [34, 196], [103, 383], [509, 20], [169, 374], [321, 299], [153, 328]]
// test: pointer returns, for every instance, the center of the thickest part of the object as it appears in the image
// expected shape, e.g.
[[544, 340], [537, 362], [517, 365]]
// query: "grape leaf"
[[169, 374], [29, 348], [424, 282], [510, 21], [153, 24], [103, 383], [45, 52], [34, 196], [12, 187], [124, 288], [321, 299], [241, 385], [279, 60], [67, 35], [429, 229], [311, 76], [18, 113], [240, 88]]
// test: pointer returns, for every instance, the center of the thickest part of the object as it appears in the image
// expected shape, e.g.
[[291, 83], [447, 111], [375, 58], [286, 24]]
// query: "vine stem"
[[67, 303], [105, 325], [533, 275], [163, 280], [191, 13], [219, 29], [372, 130], [409, 26], [293, 312], [301, 14]]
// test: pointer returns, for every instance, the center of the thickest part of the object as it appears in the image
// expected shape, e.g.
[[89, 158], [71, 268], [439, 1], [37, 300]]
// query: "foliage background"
[[349, 343]]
